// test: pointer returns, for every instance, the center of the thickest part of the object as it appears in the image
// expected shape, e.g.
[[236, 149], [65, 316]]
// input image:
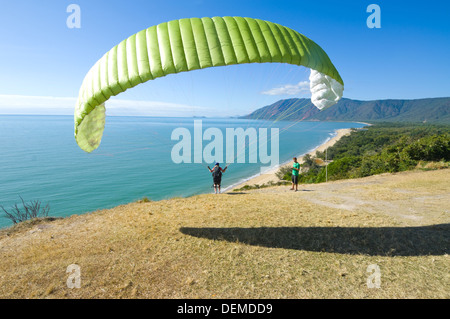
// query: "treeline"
[[381, 148]]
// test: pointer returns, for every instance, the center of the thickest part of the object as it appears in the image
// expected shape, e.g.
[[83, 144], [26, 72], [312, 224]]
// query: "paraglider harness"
[[217, 175]]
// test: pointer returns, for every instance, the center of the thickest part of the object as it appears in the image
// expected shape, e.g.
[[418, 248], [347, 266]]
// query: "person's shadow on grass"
[[374, 241]]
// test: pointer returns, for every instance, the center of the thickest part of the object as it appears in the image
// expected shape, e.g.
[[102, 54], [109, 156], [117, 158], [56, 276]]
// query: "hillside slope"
[[267, 243], [436, 110]]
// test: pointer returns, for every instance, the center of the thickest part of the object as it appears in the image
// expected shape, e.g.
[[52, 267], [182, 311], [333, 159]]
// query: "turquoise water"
[[39, 159]]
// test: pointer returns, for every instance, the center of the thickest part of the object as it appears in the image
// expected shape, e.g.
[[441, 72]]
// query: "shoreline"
[[260, 178], [269, 176]]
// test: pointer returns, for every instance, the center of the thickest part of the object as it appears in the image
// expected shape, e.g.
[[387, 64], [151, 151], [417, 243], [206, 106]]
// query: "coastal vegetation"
[[377, 149]]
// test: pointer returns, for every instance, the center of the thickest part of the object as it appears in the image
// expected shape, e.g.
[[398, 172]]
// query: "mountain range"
[[435, 110]]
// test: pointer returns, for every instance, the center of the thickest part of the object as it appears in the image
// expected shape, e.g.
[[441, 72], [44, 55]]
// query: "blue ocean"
[[40, 160]]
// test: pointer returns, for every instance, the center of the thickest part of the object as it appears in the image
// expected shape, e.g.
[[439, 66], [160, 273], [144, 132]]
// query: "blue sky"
[[43, 62]]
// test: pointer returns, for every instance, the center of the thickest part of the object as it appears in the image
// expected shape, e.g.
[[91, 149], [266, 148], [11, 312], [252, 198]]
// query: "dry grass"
[[266, 243]]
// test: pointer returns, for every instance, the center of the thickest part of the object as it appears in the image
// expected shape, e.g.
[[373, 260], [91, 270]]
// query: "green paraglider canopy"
[[191, 44]]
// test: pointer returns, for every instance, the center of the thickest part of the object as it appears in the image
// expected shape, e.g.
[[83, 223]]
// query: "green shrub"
[[339, 169], [432, 148], [284, 173]]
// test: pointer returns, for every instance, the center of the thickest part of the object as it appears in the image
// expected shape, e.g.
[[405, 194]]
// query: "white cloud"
[[289, 89], [20, 104]]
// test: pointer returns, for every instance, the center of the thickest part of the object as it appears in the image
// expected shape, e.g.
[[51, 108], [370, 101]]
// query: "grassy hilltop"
[[266, 243]]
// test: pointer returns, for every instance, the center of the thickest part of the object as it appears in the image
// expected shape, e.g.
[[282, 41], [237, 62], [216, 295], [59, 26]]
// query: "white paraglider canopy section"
[[325, 91]]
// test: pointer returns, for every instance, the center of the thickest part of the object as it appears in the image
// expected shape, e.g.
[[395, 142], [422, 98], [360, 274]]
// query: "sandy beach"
[[270, 176]]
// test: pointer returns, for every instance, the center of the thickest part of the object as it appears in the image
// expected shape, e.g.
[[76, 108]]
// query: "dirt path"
[[406, 196]]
